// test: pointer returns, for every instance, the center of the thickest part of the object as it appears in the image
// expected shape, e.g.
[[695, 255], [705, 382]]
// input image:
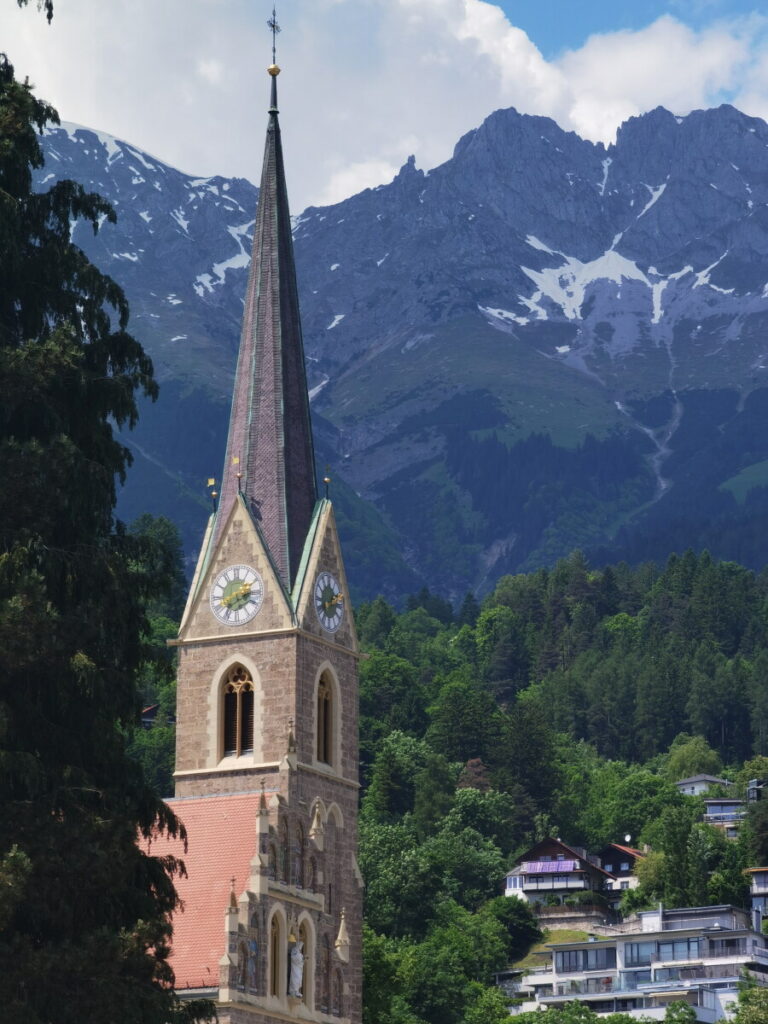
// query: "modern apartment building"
[[693, 954]]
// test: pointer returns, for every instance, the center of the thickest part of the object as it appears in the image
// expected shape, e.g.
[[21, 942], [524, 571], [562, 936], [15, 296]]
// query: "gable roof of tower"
[[221, 842], [270, 434]]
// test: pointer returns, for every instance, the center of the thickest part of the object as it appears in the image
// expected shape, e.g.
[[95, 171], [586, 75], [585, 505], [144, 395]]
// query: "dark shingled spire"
[[269, 427]]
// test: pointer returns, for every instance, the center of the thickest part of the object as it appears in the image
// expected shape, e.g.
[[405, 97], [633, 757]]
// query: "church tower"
[[267, 749]]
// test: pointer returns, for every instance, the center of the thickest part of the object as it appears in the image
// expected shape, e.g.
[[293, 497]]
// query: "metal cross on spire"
[[273, 25]]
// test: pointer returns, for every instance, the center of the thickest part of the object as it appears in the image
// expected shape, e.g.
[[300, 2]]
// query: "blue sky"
[[557, 25], [365, 83]]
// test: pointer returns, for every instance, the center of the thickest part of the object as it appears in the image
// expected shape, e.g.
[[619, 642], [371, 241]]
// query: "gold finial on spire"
[[272, 24]]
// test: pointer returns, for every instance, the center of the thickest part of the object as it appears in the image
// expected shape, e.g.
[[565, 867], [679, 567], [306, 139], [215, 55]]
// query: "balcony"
[[550, 883], [588, 986]]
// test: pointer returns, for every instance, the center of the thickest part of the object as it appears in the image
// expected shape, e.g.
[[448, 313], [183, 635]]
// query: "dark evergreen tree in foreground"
[[84, 911], [42, 5]]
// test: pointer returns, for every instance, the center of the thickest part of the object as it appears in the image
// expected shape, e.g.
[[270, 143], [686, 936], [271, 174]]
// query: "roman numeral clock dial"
[[329, 602], [236, 595]]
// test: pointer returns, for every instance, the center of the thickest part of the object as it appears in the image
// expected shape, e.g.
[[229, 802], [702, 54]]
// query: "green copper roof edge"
[[309, 543], [205, 560]]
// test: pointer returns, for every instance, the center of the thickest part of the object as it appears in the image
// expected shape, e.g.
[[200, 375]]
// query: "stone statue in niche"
[[297, 970]]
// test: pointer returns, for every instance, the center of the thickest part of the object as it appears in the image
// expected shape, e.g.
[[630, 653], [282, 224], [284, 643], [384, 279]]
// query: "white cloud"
[[353, 178], [365, 83], [210, 70]]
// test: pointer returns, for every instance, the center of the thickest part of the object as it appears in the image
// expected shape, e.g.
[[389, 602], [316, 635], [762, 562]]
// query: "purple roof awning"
[[541, 867]]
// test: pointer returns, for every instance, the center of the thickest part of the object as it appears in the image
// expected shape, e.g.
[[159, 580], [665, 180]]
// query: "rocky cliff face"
[[543, 343]]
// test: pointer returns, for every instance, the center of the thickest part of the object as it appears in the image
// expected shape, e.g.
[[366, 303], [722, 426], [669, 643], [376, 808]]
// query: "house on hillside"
[[697, 955], [619, 862], [758, 888], [551, 872], [725, 814], [699, 784]]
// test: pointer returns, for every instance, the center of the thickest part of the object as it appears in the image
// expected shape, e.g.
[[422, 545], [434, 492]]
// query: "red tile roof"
[[627, 849], [221, 842]]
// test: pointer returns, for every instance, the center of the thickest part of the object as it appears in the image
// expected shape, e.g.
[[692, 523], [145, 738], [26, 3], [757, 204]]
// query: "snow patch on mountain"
[[657, 192], [566, 286], [503, 315]]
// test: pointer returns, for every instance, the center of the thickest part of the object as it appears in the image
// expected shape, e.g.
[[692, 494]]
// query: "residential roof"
[[270, 456], [221, 842], [580, 855], [626, 849], [714, 779]]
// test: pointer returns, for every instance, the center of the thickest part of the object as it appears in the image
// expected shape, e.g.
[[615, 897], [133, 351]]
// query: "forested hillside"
[[567, 704]]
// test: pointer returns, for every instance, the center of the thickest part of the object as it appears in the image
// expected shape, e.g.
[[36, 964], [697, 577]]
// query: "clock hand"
[[240, 592]]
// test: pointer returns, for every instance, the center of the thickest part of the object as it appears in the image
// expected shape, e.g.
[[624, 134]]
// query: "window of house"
[[639, 953], [568, 960], [237, 716], [667, 974], [561, 856], [599, 959], [623, 885], [324, 721], [609, 868], [679, 949], [624, 865]]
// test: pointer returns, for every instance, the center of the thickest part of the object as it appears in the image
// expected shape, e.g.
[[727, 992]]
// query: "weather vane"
[[272, 24]]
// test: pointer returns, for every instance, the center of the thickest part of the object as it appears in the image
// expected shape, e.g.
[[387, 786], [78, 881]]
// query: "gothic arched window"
[[237, 713], [325, 737]]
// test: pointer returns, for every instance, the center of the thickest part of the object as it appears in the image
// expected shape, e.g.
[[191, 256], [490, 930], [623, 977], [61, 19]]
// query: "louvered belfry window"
[[238, 716]]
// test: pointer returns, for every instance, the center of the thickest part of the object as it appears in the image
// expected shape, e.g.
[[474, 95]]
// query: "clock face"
[[329, 601], [236, 595]]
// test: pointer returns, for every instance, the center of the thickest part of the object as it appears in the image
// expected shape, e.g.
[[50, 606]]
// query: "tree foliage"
[[42, 5], [85, 911]]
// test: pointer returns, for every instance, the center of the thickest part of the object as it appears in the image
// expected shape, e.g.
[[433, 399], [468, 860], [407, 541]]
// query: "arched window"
[[310, 880], [237, 714], [325, 737]]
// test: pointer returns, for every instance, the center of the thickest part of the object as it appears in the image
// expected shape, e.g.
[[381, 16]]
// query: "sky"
[[366, 83]]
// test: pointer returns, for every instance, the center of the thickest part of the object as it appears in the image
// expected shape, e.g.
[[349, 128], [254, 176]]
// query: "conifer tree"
[[84, 910]]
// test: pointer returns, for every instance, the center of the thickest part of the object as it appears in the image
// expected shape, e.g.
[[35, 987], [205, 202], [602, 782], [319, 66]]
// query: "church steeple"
[[270, 458]]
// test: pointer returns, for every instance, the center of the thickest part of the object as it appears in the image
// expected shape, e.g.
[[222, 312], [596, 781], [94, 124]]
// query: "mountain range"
[[544, 343]]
